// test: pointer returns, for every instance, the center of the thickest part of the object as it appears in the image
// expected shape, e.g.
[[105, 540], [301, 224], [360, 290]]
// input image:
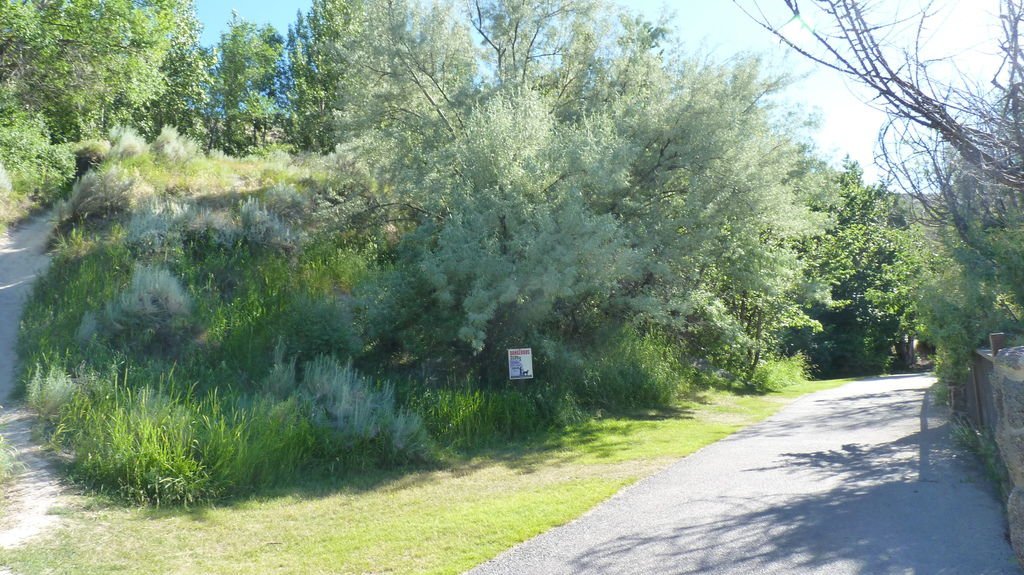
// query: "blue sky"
[[848, 126]]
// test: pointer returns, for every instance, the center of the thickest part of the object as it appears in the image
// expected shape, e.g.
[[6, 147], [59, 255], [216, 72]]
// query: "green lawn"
[[436, 521]]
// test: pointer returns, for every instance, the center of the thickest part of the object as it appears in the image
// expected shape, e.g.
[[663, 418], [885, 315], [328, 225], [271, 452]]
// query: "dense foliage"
[[870, 265], [516, 176]]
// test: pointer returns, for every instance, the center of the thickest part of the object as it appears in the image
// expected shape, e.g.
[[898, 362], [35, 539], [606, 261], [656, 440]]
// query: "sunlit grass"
[[432, 521]]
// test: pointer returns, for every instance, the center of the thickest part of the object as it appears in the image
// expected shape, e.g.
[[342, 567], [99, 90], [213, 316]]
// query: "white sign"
[[520, 363]]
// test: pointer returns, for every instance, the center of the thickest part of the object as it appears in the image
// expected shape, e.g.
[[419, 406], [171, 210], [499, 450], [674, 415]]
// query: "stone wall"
[[1008, 385]]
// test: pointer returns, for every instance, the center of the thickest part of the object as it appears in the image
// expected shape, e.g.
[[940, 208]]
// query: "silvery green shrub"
[[157, 224], [102, 193], [125, 142], [359, 410], [217, 227], [174, 147], [48, 391], [287, 201], [154, 309], [260, 227]]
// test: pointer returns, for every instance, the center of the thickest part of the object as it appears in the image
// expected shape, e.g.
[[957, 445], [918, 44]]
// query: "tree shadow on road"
[[914, 505]]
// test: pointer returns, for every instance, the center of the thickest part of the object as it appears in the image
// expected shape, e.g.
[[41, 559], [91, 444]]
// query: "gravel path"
[[35, 490], [862, 479]]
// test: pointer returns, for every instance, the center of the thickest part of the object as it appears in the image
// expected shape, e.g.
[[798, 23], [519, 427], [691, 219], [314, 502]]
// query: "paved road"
[[862, 479]]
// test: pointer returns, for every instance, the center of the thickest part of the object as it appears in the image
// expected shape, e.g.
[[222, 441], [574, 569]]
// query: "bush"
[[174, 147], [34, 165], [364, 416], [206, 226], [777, 374], [157, 225], [48, 391], [626, 370], [287, 201], [314, 327], [262, 228], [102, 194], [125, 142], [154, 309]]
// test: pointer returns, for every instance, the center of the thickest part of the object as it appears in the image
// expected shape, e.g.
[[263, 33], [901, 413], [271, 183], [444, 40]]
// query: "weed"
[[9, 464], [984, 446]]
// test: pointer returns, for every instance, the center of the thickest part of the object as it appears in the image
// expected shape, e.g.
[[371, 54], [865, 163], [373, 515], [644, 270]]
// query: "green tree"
[[186, 77], [315, 72], [246, 98], [869, 262], [653, 190], [85, 65]]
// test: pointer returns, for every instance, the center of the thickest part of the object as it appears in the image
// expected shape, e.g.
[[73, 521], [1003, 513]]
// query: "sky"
[[848, 123]]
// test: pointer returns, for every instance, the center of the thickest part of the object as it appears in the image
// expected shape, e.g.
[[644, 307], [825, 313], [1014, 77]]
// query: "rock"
[[1015, 514]]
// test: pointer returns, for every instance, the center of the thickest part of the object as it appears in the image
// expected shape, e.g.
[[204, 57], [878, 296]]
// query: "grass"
[[444, 520]]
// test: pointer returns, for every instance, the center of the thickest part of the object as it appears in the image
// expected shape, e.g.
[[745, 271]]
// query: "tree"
[[186, 77], [85, 65], [957, 148], [246, 98], [985, 126], [315, 72], [868, 261], [653, 191]]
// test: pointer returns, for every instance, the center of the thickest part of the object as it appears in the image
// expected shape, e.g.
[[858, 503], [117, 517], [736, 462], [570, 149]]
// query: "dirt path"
[[35, 490], [862, 479]]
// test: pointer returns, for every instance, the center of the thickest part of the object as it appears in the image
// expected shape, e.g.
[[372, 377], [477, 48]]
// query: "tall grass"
[[162, 445], [779, 373]]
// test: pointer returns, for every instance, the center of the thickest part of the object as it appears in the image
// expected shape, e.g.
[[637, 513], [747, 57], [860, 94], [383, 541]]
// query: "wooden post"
[[996, 342]]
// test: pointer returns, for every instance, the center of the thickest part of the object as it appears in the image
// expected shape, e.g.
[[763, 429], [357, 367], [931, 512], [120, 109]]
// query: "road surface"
[[862, 479]]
